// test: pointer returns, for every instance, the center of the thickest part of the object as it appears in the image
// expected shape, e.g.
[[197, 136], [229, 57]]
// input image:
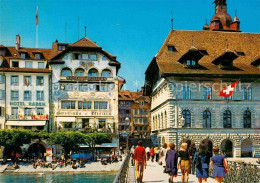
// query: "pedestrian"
[[171, 159], [201, 160], [220, 165], [152, 154], [192, 150], [139, 161], [162, 155], [156, 152], [147, 150], [184, 162], [132, 152]]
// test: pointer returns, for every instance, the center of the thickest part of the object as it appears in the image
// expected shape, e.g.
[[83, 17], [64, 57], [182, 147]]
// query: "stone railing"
[[122, 173], [240, 172]]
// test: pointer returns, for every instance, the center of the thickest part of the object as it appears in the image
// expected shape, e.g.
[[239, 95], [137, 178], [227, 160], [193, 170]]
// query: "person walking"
[[171, 159], [220, 165], [147, 150], [184, 162], [132, 152], [201, 160], [139, 161], [152, 154], [192, 150], [162, 155]]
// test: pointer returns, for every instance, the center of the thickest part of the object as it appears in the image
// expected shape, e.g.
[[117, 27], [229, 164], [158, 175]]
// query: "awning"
[[111, 145], [66, 119], [25, 123]]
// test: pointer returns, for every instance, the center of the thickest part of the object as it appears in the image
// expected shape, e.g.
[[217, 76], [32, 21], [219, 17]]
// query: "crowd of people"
[[187, 159]]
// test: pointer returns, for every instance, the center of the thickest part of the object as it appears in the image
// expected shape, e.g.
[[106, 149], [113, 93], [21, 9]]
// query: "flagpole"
[[36, 36]]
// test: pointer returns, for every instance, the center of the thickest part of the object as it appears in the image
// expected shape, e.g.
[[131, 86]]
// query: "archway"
[[247, 148], [8, 150], [227, 148], [209, 145], [36, 149]]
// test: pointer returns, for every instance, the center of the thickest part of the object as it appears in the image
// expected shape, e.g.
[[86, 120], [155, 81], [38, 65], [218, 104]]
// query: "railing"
[[240, 172], [122, 173]]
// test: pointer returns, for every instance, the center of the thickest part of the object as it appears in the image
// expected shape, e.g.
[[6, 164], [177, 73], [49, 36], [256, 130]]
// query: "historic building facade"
[[184, 80], [84, 87], [24, 93]]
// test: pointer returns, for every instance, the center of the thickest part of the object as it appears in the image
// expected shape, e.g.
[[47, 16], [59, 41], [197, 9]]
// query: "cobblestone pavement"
[[131, 174], [154, 174]]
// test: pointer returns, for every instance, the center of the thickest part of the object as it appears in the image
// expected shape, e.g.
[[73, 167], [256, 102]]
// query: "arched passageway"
[[227, 148], [247, 148], [36, 150]]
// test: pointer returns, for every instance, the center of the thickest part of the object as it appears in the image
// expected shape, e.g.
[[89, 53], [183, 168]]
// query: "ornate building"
[[184, 80]]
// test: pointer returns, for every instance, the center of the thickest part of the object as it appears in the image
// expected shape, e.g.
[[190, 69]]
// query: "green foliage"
[[69, 140], [14, 138], [40, 134], [95, 138]]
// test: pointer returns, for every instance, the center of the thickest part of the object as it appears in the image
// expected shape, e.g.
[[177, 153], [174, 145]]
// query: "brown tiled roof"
[[84, 42], [125, 95], [25, 70], [216, 44]]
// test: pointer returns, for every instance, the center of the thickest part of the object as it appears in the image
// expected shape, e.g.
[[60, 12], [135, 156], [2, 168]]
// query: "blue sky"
[[133, 30]]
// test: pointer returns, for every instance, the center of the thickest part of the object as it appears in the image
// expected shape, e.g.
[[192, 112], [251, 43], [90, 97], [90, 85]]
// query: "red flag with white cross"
[[228, 91]]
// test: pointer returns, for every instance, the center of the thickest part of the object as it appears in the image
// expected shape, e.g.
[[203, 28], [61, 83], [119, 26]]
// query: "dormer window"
[[61, 47], [225, 61], [171, 48], [23, 56], [191, 63], [15, 64], [37, 56], [191, 58], [256, 61]]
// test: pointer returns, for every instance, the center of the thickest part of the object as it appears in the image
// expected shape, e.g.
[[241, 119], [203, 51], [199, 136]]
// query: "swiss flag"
[[228, 91]]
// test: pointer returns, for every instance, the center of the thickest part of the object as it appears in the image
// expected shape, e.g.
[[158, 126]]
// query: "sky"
[[133, 30]]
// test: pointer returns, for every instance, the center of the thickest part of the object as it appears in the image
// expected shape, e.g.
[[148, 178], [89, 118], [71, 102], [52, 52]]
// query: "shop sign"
[[28, 103], [79, 113], [82, 78]]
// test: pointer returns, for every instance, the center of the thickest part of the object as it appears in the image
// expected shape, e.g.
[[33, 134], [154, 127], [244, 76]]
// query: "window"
[[67, 125], [2, 78], [188, 62], [103, 87], [85, 123], [92, 73], [68, 104], [207, 93], [193, 62], [247, 119], [228, 98], [14, 111], [27, 80], [247, 93], [40, 111], [40, 65], [207, 119], [100, 105], [136, 120], [23, 56], [145, 120], [84, 105], [104, 58], [187, 118], [2, 94], [93, 57], [14, 80], [40, 96], [79, 72], [61, 47], [106, 73], [85, 56], [2, 52], [227, 122], [186, 94], [136, 128], [27, 111], [77, 56], [15, 64], [39, 81], [171, 48], [14, 95], [83, 87], [136, 111], [66, 72], [27, 95], [101, 123], [37, 56], [68, 87]]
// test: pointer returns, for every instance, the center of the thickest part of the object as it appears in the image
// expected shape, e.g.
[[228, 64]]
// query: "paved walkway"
[[131, 173], [154, 173]]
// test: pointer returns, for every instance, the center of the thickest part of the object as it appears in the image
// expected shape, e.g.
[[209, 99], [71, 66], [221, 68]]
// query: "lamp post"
[[127, 132]]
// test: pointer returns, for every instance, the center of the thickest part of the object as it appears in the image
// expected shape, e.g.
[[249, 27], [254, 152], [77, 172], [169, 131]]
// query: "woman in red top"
[[152, 153]]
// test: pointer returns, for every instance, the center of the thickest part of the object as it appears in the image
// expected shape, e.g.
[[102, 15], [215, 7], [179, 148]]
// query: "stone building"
[[84, 87], [24, 87], [186, 76]]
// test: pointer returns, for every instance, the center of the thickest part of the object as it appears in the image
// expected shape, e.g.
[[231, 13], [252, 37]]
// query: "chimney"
[[18, 42]]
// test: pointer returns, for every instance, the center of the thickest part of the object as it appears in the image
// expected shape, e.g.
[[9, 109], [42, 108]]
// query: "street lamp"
[[127, 131]]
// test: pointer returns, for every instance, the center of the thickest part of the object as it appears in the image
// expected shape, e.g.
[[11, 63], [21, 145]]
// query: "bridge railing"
[[240, 172], [122, 173]]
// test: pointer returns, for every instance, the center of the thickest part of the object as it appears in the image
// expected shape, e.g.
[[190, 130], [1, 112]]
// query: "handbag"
[[225, 165]]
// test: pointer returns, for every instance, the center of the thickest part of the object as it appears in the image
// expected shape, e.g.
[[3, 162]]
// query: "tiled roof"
[[216, 44], [84, 42], [125, 95]]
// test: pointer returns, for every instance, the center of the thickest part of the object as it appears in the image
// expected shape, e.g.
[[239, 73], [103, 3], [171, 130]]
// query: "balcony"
[[31, 117]]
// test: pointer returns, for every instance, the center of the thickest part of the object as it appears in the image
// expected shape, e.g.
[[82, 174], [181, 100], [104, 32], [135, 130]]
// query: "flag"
[[37, 17], [228, 91]]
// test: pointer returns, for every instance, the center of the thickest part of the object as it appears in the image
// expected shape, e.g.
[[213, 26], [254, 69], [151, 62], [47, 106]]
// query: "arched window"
[[187, 118], [247, 119], [66, 72], [227, 121], [79, 72], [207, 119], [92, 73], [106, 73]]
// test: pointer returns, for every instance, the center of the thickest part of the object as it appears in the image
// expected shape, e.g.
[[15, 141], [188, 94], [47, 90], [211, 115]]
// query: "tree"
[[92, 139], [69, 140], [13, 139]]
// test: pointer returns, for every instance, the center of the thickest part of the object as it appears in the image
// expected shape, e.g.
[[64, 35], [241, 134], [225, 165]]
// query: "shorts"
[[185, 164]]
